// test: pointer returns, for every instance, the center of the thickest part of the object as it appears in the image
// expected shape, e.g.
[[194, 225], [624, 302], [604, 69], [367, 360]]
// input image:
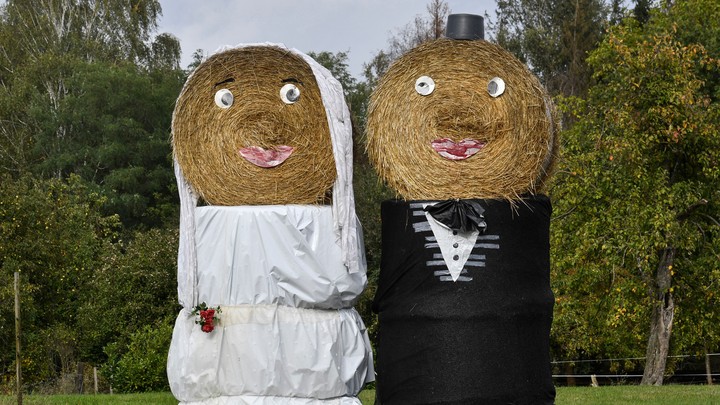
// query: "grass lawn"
[[100, 399], [637, 394], [609, 395]]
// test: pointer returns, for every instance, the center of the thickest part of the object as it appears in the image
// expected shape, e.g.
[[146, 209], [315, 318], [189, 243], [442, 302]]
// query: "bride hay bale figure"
[[466, 136], [271, 260]]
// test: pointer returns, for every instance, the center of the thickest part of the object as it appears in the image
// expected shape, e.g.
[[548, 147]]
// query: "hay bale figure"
[[271, 260], [466, 135]]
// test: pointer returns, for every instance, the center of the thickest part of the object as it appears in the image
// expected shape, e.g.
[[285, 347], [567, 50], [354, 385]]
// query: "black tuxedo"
[[482, 339]]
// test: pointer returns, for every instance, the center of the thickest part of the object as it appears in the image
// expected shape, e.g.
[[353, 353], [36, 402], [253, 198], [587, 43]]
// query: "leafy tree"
[[422, 29], [117, 120], [164, 53], [356, 94], [198, 57], [641, 12], [377, 67], [74, 100], [15, 129], [635, 234], [553, 38], [336, 63], [50, 232], [134, 287], [50, 37], [88, 29], [372, 72]]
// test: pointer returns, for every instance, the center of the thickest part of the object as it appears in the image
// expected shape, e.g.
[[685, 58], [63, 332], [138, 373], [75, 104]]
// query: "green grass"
[[640, 394], [101, 399], [610, 395]]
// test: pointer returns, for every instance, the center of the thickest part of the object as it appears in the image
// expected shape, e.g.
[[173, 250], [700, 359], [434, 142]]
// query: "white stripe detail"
[[487, 245], [461, 278]]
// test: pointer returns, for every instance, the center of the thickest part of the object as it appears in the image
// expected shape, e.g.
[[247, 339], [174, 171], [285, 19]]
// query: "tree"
[[337, 64], [641, 12], [198, 57], [44, 43], [134, 287], [87, 29], [115, 121], [420, 30], [553, 38], [637, 201], [164, 53], [52, 233]]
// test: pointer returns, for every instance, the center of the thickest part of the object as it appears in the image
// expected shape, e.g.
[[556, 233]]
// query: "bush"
[[141, 366]]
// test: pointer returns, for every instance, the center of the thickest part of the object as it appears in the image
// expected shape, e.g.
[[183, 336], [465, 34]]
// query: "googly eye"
[[224, 98], [424, 85], [289, 93], [496, 87]]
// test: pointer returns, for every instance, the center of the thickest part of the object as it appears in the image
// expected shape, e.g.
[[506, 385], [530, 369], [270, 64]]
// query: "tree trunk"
[[708, 368], [661, 322], [570, 372]]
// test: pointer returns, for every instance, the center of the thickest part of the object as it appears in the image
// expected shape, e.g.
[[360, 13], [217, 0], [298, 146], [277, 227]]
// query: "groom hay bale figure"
[[466, 135]]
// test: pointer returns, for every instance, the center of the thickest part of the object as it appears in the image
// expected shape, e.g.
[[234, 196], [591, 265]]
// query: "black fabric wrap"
[[480, 341]]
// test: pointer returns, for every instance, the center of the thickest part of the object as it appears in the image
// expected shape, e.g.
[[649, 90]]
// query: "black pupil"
[[492, 87]]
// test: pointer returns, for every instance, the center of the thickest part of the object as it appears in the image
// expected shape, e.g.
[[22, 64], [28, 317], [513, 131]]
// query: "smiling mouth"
[[266, 158], [452, 150]]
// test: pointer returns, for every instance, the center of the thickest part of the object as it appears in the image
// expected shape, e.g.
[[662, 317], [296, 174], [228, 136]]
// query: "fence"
[[686, 370]]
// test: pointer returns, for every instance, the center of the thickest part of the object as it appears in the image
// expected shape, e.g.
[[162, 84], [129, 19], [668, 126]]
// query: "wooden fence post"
[[18, 362]]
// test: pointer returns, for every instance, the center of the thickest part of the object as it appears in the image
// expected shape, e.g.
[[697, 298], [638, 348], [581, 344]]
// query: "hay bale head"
[[461, 119], [249, 128]]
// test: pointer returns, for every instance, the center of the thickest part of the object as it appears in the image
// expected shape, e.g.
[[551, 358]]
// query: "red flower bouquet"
[[207, 317]]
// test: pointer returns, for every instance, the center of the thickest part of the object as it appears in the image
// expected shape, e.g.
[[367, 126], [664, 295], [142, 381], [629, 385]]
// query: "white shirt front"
[[455, 246]]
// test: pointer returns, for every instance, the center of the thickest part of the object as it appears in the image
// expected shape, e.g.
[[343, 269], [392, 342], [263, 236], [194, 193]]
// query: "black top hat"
[[465, 26]]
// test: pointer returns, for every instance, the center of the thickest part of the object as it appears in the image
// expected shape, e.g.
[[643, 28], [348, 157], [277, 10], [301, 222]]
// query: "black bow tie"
[[459, 215]]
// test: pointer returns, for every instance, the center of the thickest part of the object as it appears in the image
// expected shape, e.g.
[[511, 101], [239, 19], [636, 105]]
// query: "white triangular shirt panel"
[[455, 246]]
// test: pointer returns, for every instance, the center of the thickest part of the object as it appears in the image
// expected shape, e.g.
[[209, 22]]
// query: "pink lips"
[[266, 158], [452, 150]]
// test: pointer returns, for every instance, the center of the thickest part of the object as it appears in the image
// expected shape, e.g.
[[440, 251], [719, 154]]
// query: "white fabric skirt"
[[269, 354]]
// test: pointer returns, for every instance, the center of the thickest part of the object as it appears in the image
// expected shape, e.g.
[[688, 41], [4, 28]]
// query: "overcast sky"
[[360, 27]]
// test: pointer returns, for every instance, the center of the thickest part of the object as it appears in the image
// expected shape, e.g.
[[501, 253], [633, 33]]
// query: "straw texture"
[[207, 139], [519, 127]]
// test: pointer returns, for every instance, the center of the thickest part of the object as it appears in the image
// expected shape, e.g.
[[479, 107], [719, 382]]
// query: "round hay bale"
[[210, 129], [516, 131]]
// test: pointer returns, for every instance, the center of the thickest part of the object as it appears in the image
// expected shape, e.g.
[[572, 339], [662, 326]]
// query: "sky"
[[359, 27]]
